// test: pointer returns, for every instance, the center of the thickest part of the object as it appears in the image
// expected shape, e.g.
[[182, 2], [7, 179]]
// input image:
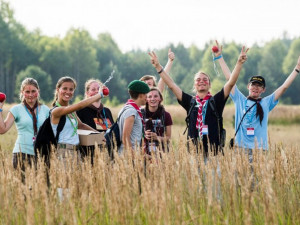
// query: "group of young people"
[[147, 128]]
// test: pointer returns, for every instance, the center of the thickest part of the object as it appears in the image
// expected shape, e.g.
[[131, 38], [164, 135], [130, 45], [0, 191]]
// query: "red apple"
[[105, 91], [2, 97], [215, 49]]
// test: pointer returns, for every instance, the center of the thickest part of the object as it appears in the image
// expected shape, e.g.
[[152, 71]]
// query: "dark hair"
[[59, 84], [133, 94]]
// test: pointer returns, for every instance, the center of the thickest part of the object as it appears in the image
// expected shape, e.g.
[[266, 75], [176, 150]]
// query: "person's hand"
[[171, 55], [149, 135], [154, 61], [243, 55], [220, 48]]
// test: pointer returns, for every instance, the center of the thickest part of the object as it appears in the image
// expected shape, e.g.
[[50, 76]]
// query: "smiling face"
[[154, 99], [66, 92], [93, 89], [255, 89], [30, 94], [201, 82]]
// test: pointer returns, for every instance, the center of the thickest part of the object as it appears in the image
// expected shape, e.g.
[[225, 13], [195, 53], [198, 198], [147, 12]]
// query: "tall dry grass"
[[176, 188]]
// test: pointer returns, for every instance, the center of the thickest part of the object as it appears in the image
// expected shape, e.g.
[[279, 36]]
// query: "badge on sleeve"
[[250, 131], [205, 130]]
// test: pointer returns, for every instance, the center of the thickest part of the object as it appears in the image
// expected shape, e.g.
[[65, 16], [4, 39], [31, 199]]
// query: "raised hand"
[[171, 55], [243, 55], [220, 48], [154, 60]]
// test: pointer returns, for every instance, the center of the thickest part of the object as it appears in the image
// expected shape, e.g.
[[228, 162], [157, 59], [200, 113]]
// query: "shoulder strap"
[[244, 117], [60, 125], [213, 106], [120, 115], [187, 119]]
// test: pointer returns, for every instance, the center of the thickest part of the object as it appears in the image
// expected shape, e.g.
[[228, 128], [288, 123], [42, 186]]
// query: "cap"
[[138, 86], [258, 79]]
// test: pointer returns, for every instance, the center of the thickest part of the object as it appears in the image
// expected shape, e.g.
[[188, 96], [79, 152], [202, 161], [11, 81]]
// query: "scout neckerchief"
[[75, 126], [134, 105], [259, 109], [34, 116], [201, 102]]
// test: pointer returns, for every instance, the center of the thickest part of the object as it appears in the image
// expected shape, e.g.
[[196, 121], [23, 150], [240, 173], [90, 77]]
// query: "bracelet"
[[218, 57], [1, 110], [297, 70], [162, 69]]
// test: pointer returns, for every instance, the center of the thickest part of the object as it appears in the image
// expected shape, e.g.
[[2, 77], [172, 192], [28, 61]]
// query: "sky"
[[153, 24]]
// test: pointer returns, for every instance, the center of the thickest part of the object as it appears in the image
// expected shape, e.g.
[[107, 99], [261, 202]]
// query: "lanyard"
[[204, 111], [75, 126], [105, 120], [37, 115]]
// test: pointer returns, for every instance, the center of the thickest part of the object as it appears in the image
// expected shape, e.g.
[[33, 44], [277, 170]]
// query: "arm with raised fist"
[[217, 50], [171, 57], [165, 76]]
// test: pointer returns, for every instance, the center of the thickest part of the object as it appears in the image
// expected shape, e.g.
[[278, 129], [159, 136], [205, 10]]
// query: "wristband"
[[297, 70], [162, 69], [101, 94], [218, 57], [1, 110]]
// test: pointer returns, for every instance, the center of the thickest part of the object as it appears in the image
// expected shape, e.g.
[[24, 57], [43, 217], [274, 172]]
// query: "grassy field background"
[[174, 188]]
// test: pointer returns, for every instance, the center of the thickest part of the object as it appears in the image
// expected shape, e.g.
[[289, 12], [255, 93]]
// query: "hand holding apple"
[[215, 49], [105, 91], [2, 97]]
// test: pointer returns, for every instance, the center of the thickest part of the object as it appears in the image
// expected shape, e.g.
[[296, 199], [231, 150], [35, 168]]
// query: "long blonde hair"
[[58, 85]]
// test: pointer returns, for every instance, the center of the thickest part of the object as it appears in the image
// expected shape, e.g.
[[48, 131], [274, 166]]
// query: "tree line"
[[26, 53]]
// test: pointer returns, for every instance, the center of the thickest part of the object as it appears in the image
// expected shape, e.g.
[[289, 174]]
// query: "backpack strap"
[[187, 119], [61, 124]]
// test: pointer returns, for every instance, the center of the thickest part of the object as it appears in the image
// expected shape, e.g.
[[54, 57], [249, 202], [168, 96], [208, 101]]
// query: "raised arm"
[[166, 77], [226, 71], [64, 110], [288, 81], [171, 57], [236, 72]]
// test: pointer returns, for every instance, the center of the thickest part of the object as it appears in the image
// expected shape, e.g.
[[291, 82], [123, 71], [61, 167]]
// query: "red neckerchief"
[[131, 102], [199, 124]]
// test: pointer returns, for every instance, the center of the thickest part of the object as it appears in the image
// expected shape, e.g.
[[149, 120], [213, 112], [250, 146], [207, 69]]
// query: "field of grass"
[[176, 188]]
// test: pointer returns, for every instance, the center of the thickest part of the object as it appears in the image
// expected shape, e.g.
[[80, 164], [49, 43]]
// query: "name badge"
[[250, 131], [205, 129]]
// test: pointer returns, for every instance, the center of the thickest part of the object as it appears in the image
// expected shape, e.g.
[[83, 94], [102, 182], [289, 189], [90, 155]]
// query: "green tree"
[[270, 66], [81, 50], [43, 79], [288, 66]]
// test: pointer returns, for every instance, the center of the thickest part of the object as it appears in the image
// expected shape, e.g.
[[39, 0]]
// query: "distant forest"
[[26, 53]]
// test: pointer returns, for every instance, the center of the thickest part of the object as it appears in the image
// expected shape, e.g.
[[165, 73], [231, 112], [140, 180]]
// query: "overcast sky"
[[155, 23]]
